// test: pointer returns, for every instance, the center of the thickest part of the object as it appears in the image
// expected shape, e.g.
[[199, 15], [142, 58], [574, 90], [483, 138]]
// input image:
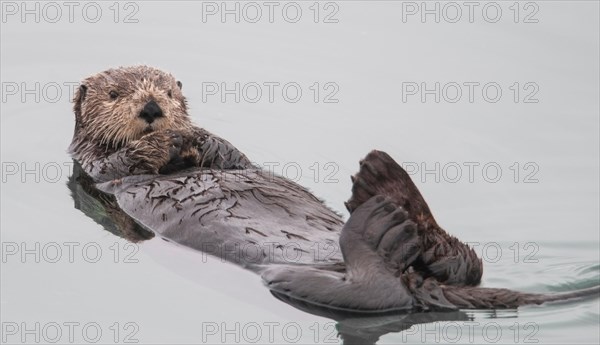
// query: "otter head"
[[119, 105]]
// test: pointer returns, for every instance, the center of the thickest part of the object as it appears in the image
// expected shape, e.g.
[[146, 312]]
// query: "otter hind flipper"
[[380, 231], [379, 174], [442, 256]]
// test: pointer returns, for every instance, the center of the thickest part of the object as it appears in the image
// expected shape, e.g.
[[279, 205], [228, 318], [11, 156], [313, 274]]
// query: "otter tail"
[[492, 298]]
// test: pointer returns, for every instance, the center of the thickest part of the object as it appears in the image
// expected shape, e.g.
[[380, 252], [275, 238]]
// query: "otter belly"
[[248, 217]]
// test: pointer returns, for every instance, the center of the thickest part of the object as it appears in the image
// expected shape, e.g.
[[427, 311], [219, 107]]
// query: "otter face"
[[119, 105]]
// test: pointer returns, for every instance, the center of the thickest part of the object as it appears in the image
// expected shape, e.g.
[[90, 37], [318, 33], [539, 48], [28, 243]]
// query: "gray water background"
[[174, 295]]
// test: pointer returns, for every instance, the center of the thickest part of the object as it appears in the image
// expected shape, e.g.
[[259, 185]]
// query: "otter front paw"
[[155, 150], [182, 155], [385, 229]]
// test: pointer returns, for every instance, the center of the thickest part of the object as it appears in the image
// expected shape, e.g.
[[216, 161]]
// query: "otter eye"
[[170, 94], [113, 94]]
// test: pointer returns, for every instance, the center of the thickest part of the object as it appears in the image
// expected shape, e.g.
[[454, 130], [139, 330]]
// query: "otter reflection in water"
[[157, 173]]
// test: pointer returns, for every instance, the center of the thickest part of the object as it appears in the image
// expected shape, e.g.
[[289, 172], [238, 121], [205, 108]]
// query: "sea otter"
[[158, 173]]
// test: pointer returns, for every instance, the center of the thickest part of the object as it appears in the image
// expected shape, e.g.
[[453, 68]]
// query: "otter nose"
[[151, 112]]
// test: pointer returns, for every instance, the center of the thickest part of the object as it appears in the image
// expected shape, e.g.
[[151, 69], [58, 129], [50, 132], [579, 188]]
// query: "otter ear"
[[179, 84], [78, 99], [82, 91]]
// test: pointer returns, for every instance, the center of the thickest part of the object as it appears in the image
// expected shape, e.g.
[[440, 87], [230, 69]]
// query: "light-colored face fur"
[[108, 105]]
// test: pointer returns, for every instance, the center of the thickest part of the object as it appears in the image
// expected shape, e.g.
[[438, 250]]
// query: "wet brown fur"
[[104, 124]]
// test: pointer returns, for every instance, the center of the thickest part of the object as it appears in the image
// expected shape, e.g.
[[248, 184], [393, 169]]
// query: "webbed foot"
[[378, 227]]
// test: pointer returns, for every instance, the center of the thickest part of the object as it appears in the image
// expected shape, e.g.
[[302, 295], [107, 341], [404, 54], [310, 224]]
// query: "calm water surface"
[[532, 215]]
